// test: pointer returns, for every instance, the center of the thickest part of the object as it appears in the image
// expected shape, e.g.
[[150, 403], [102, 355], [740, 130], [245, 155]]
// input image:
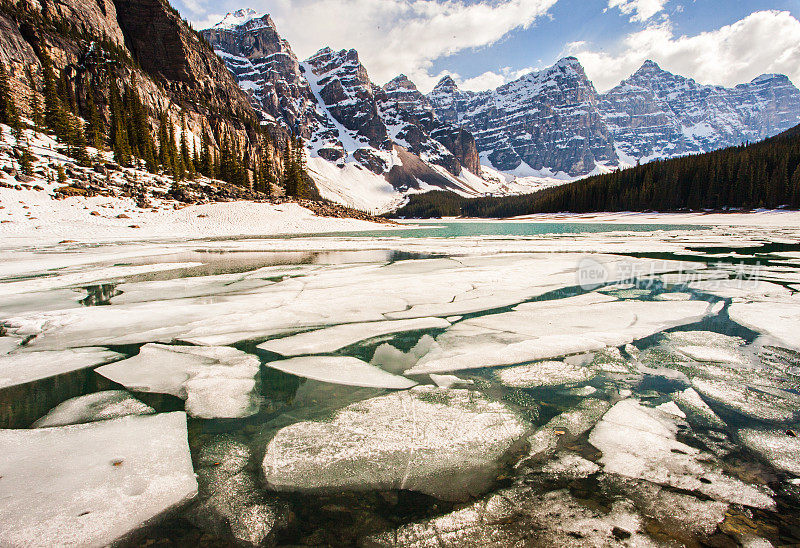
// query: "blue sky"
[[484, 43]]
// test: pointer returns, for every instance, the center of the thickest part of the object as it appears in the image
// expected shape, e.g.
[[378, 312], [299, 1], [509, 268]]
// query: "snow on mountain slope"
[[545, 120], [657, 114]]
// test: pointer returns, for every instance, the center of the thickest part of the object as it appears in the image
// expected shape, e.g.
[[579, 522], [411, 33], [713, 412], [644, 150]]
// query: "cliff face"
[[266, 68], [547, 120], [139, 43], [419, 126], [657, 114]]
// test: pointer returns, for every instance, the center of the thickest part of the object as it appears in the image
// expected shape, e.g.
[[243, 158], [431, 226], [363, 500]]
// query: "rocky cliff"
[[346, 120], [139, 43], [657, 114], [545, 121]]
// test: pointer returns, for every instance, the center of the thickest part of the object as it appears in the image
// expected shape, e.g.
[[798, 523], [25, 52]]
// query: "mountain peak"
[[237, 18], [446, 84], [400, 81]]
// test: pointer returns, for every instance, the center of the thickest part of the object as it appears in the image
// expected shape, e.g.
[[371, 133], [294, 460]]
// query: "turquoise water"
[[506, 229]]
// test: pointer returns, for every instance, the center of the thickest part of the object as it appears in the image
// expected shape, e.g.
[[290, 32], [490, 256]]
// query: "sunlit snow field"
[[455, 384]]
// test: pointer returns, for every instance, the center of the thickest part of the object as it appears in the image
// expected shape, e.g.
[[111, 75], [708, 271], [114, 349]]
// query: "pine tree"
[[8, 109], [94, 125], [119, 133], [53, 115]]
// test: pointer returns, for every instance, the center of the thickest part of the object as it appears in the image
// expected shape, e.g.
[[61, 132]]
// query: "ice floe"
[[394, 360], [757, 402], [333, 338], [216, 382], [697, 412], [92, 484], [519, 516], [24, 367], [341, 370], [781, 448], [450, 381], [547, 373], [640, 442], [779, 320], [110, 404], [550, 329], [448, 443]]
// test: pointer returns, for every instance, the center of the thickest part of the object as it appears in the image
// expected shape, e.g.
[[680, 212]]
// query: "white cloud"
[[488, 80], [395, 36], [762, 42], [639, 10]]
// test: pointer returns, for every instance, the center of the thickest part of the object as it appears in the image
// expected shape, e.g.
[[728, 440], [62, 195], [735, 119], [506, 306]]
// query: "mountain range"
[[371, 146]]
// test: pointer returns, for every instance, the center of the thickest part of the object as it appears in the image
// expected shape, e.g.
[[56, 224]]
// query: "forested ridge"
[[759, 175]]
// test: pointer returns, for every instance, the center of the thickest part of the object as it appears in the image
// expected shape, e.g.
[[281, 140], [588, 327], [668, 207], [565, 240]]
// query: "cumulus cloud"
[[488, 80], [762, 42], [393, 36], [639, 10]]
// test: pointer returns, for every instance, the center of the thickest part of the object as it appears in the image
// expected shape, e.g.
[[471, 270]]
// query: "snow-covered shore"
[[765, 218], [30, 217]]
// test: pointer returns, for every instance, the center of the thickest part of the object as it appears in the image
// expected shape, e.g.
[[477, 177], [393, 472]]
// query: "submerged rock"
[[231, 499], [110, 404], [448, 443], [519, 516], [92, 484]]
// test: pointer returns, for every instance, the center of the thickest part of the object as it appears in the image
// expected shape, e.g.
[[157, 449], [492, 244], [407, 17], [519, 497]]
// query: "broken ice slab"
[[109, 404], [520, 516], [216, 382], [344, 370], [551, 329], [92, 484], [741, 289], [449, 444], [546, 373], [640, 442], [23, 367], [698, 413], [758, 402], [450, 381], [334, 338], [779, 320], [779, 447]]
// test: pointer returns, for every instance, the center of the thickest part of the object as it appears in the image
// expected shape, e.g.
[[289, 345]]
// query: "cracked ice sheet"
[[341, 370], [550, 329], [333, 338], [24, 367], [216, 382], [640, 442], [87, 278], [779, 320], [92, 484], [326, 296]]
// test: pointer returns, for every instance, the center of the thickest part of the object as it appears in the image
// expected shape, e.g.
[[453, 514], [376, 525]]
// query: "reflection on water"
[[99, 295]]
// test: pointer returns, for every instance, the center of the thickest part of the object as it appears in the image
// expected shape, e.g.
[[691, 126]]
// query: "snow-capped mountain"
[[554, 120], [657, 114], [370, 146], [367, 146], [545, 122]]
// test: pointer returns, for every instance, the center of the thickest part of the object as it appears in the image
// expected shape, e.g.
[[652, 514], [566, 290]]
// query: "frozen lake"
[[459, 384]]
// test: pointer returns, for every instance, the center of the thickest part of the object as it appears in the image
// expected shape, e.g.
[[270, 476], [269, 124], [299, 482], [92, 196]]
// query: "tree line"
[[749, 176]]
